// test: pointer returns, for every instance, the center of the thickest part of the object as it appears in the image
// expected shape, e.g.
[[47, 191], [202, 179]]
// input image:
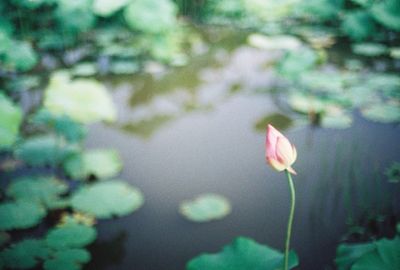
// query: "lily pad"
[[280, 121], [70, 235], [347, 254], [44, 149], [243, 253], [85, 69], [84, 100], [382, 112], [25, 254], [43, 190], [107, 199], [274, 42], [306, 103], [106, 8], [10, 121], [393, 173], [20, 215], [337, 121], [68, 259], [294, 63], [151, 16], [395, 52], [205, 207], [101, 163], [369, 49]]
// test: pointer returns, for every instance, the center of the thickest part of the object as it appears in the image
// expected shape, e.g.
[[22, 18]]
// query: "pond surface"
[[196, 129]]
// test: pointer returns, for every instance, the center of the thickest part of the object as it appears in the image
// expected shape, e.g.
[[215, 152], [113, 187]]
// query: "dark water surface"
[[192, 129]]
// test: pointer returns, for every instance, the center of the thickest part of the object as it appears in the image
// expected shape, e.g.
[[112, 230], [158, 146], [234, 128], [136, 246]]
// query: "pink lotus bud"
[[280, 153]]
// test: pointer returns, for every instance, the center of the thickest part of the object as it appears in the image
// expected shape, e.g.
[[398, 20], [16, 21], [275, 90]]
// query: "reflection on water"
[[201, 127]]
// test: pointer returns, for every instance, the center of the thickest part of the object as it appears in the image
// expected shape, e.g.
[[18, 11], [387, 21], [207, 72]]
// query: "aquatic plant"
[[281, 154]]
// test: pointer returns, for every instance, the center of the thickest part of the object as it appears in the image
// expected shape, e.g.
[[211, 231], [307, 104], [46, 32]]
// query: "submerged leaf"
[[20, 215], [107, 199], [243, 253], [205, 207]]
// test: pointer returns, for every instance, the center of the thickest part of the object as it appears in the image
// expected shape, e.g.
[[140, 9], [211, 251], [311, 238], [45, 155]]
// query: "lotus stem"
[[290, 221]]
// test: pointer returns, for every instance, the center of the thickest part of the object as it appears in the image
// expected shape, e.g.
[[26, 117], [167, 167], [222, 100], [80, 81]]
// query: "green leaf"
[[347, 254], [43, 190], [83, 100], [44, 149], [387, 13], [243, 253], [107, 199], [10, 121], [151, 16], [382, 112], [68, 259], [20, 57], [294, 63], [101, 163], [369, 49], [25, 254], [205, 207], [20, 215], [280, 121], [339, 120], [358, 25], [70, 235], [274, 42], [68, 11], [106, 8]]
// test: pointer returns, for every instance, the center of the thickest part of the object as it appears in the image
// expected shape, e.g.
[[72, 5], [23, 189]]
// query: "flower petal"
[[276, 164], [284, 151]]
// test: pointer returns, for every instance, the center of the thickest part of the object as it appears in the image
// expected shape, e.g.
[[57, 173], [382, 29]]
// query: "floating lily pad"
[[305, 104], [243, 253], [382, 112], [337, 121], [205, 207], [84, 100], [68, 259], [393, 173], [107, 199], [85, 69], [274, 42], [151, 16], [395, 52], [101, 163], [124, 67], [10, 121], [106, 8], [62, 125], [25, 254], [294, 63], [20, 215], [44, 190], [44, 149], [382, 254], [369, 49], [280, 121], [387, 13], [70, 235]]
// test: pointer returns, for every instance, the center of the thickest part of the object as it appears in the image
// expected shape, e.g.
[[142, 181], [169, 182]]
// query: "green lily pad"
[[106, 8], [68, 259], [44, 190], [274, 42], [280, 121], [124, 67], [64, 126], [393, 173], [382, 112], [307, 103], [70, 235], [243, 253], [369, 49], [395, 52], [151, 16], [20, 215], [20, 57], [347, 254], [44, 149], [337, 121], [84, 100], [107, 199], [84, 69], [25, 254], [102, 163], [294, 63], [10, 121], [205, 207], [387, 13]]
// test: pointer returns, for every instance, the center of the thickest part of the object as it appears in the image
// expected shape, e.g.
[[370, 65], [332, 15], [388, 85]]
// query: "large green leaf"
[[68, 12], [20, 215], [44, 149], [67, 259], [70, 235], [205, 207], [358, 25], [101, 163], [44, 190], [107, 199], [347, 254], [10, 121], [84, 100], [20, 57], [243, 253], [25, 254], [107, 8], [387, 13], [151, 16]]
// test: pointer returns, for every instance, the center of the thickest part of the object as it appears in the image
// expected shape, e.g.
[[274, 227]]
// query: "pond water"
[[198, 128]]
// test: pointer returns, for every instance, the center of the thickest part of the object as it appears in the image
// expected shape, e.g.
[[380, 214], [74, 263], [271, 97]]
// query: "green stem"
[[290, 221]]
